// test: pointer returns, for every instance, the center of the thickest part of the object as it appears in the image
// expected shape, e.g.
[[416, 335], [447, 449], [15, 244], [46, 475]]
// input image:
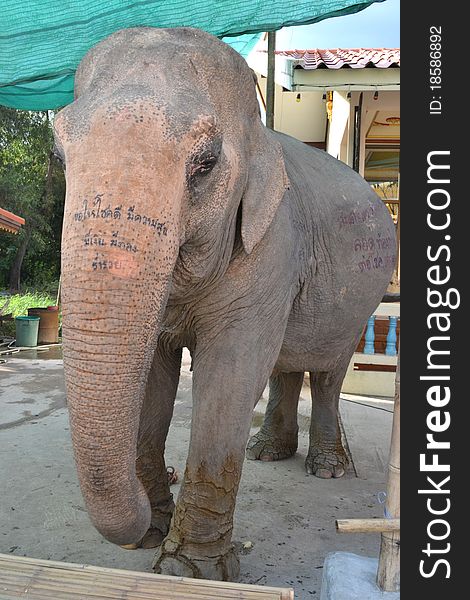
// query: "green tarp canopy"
[[42, 41]]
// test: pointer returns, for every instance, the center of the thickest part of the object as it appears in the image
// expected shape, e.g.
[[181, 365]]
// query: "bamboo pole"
[[22, 577], [388, 573], [367, 525]]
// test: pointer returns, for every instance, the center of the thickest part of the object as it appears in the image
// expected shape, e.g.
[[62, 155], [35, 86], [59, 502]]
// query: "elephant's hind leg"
[[157, 411], [326, 456], [277, 438]]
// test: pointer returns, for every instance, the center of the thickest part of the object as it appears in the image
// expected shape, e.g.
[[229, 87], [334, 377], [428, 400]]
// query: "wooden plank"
[[30, 578], [388, 309], [367, 525], [374, 367]]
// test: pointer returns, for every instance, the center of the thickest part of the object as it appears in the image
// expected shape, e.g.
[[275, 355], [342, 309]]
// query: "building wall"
[[304, 120]]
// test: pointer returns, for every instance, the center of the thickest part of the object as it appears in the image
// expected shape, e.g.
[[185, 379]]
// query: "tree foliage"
[[32, 186]]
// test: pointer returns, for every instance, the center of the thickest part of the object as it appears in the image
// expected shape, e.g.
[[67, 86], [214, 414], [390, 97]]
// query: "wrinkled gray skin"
[[188, 223]]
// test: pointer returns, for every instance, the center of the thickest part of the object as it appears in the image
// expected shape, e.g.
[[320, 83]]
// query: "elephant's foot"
[[153, 538], [171, 559], [326, 462], [159, 526], [266, 446]]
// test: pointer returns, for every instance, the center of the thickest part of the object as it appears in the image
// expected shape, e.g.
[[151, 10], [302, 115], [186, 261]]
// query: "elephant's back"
[[317, 176], [351, 253], [335, 198]]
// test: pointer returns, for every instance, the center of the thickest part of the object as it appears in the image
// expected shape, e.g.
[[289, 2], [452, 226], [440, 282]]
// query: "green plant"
[[32, 185], [18, 304]]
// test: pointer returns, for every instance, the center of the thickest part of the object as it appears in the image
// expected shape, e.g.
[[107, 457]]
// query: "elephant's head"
[[163, 148]]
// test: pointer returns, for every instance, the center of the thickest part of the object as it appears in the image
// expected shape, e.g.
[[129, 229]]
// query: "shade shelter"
[[41, 43]]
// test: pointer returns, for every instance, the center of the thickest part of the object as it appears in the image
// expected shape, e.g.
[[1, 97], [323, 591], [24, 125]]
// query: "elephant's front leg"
[[157, 411], [229, 376]]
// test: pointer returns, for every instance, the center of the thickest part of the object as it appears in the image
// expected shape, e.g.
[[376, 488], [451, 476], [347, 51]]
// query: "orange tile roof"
[[353, 58], [10, 222]]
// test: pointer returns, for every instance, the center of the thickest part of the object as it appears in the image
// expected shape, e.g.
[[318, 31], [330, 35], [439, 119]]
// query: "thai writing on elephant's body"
[[376, 262], [354, 217], [93, 239], [101, 264], [96, 239], [95, 211], [159, 227], [371, 244], [117, 243]]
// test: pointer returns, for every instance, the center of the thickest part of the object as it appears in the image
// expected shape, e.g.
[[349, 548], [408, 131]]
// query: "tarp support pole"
[[388, 573], [357, 134], [270, 83]]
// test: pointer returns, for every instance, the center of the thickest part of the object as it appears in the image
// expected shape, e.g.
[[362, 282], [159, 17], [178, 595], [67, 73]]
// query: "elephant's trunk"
[[104, 443], [119, 250]]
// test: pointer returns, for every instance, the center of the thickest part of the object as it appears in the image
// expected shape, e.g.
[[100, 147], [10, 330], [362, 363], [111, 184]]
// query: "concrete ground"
[[288, 516]]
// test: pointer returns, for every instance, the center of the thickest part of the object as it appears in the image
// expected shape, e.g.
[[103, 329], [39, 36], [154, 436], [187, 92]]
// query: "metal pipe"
[[270, 82], [357, 134]]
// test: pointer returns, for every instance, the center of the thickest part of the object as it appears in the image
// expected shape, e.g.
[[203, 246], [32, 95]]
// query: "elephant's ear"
[[266, 186]]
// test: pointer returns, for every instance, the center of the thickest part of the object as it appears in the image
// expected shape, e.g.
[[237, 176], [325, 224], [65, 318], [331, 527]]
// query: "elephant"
[[189, 224]]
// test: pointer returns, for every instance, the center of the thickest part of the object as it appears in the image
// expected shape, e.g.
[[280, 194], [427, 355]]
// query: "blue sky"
[[378, 26]]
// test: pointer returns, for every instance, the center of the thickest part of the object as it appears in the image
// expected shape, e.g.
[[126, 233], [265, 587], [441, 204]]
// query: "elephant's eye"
[[205, 165], [205, 161]]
